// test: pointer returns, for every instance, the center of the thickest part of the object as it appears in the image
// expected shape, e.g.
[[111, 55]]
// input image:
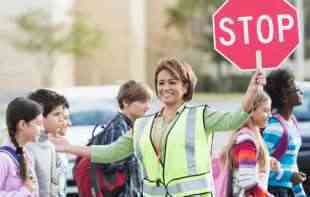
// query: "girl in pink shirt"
[[24, 122]]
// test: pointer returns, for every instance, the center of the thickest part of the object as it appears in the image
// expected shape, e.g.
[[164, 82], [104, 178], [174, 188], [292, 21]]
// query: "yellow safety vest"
[[185, 169]]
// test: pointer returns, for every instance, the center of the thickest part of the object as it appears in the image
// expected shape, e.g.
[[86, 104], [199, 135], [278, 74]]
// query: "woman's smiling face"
[[170, 89]]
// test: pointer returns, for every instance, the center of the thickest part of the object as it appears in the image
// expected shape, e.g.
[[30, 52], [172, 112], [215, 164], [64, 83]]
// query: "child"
[[17, 175], [121, 178], [285, 96], [62, 160], [246, 153], [47, 162]]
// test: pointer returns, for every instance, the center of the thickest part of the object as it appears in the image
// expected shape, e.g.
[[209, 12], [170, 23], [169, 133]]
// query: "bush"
[[232, 83], [207, 83], [239, 83]]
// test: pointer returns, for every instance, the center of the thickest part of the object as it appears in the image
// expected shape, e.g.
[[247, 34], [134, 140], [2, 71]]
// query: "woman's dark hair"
[[17, 110], [132, 91], [278, 84], [181, 71]]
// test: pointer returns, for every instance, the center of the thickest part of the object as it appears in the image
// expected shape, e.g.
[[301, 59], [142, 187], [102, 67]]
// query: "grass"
[[217, 96]]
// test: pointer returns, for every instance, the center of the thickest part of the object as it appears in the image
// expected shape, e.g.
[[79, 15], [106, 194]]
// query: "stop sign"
[[243, 27]]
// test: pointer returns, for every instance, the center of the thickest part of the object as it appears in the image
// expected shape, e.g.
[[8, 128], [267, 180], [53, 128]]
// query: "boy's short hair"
[[49, 100], [132, 91]]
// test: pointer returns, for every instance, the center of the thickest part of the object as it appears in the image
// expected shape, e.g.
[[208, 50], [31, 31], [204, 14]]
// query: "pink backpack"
[[222, 173], [221, 177]]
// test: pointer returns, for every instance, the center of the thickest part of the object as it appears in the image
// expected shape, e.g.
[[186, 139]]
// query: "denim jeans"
[[280, 191]]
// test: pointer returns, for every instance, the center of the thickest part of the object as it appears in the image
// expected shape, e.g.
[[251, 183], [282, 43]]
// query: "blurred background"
[[63, 43], [66, 43], [81, 48]]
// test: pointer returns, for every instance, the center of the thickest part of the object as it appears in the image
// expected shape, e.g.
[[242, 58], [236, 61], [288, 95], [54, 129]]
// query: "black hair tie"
[[19, 151]]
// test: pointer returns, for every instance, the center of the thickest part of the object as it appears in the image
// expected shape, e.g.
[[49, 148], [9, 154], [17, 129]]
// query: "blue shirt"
[[272, 135]]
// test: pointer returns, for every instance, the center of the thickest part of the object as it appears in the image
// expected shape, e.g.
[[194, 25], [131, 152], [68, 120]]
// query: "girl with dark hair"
[[285, 95], [24, 122]]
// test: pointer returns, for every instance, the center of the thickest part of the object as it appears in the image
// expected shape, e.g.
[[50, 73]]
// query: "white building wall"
[[19, 69]]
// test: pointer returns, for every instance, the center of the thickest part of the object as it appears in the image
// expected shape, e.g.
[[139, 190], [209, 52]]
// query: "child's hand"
[[298, 177], [60, 143], [30, 184], [257, 82], [275, 165]]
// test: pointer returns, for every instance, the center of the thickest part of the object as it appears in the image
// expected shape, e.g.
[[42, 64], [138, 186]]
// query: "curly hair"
[[278, 84]]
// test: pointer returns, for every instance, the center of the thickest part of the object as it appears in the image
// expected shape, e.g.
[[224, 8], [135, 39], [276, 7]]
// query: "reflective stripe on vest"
[[137, 132], [187, 146], [179, 188], [192, 174], [190, 141]]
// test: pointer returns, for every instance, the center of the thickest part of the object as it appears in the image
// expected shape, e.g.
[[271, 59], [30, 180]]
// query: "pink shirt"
[[11, 184]]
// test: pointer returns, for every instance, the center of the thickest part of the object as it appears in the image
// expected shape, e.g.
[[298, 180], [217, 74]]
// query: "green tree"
[[45, 39], [193, 20]]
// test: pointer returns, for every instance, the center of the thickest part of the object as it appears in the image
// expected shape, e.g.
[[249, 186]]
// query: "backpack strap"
[[295, 121], [12, 154], [91, 141], [103, 126], [283, 144], [95, 188]]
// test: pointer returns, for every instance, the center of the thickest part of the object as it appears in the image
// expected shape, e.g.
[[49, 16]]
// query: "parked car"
[[88, 106], [302, 114]]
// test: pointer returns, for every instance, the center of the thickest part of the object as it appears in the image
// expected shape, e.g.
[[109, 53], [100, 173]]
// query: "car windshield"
[[302, 112], [92, 112], [91, 117]]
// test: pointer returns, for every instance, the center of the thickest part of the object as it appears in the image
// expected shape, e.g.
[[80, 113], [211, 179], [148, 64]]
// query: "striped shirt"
[[247, 178], [272, 135]]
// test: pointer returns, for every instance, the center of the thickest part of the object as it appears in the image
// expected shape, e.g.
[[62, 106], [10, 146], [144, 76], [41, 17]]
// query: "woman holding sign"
[[173, 144]]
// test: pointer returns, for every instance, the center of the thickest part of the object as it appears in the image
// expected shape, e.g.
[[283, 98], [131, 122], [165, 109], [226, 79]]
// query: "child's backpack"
[[221, 176], [11, 152], [283, 143], [98, 180], [222, 171]]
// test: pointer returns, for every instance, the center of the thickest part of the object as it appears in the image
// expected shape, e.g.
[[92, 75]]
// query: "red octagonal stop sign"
[[243, 27]]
